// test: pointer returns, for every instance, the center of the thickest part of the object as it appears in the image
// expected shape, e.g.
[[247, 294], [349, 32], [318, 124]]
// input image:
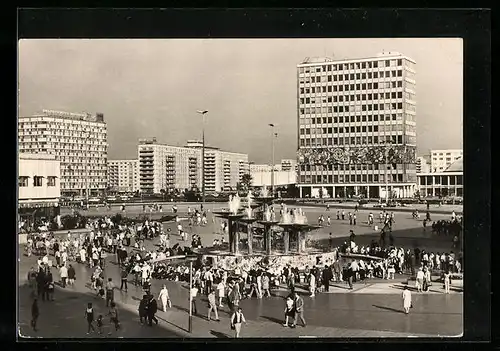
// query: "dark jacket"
[[71, 273], [143, 307], [153, 306], [34, 309]]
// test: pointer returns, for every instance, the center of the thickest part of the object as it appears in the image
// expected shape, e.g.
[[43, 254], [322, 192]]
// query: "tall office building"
[[123, 175], [442, 159], [173, 167], [422, 165], [357, 126], [78, 141]]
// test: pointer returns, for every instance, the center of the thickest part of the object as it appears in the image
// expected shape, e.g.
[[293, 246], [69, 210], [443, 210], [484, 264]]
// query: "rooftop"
[[457, 166]]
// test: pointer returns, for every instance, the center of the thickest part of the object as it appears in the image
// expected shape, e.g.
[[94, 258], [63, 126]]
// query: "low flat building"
[[285, 173], [450, 182], [39, 185]]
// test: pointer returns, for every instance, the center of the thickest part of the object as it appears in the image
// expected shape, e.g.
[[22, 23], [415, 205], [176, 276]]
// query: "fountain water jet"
[[234, 204], [264, 192]]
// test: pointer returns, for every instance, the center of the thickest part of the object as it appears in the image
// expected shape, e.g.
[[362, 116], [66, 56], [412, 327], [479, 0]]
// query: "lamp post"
[[273, 135], [203, 113], [386, 144]]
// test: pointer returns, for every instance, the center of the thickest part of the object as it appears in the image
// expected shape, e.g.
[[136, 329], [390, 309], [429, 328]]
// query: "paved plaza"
[[372, 309]]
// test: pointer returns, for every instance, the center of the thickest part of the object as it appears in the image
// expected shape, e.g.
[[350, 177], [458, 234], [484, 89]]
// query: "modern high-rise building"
[[442, 159], [123, 175], [423, 165], [357, 126], [166, 167], [77, 140]]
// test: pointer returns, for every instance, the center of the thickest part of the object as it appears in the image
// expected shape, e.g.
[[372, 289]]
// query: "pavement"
[[371, 309]]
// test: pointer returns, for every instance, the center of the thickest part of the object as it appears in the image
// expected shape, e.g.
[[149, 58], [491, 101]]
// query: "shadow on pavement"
[[219, 335], [272, 319], [64, 317], [388, 308]]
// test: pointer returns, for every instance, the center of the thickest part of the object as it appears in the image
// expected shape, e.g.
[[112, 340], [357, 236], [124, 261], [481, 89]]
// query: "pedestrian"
[[419, 281], [354, 219], [289, 311], [89, 316], [221, 287], [265, 286], [164, 298], [193, 294], [299, 310], [35, 313], [124, 275], [447, 281], [338, 214], [110, 287], [113, 314], [71, 275], [343, 214], [236, 319], [151, 311], [143, 309], [63, 272], [49, 285], [99, 324], [312, 284], [406, 300], [212, 305]]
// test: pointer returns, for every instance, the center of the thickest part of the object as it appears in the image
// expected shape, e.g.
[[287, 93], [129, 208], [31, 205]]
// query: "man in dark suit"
[[299, 309], [151, 311], [325, 277]]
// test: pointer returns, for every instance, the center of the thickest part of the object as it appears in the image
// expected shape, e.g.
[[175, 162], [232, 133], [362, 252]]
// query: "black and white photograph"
[[240, 188]]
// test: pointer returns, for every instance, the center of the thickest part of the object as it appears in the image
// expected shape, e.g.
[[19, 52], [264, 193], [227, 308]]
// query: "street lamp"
[[203, 113], [273, 135], [386, 152]]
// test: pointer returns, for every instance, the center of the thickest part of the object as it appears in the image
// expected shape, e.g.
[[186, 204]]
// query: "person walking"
[[113, 314], [299, 310], [212, 305], [236, 319], [63, 273], [447, 281], [35, 313], [151, 311], [143, 306], [289, 312], [71, 275], [110, 287], [124, 276], [89, 316], [164, 298], [194, 293], [312, 284], [265, 286], [406, 300]]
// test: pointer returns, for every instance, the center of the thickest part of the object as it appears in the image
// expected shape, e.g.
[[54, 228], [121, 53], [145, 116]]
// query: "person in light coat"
[[312, 284], [164, 298], [406, 300]]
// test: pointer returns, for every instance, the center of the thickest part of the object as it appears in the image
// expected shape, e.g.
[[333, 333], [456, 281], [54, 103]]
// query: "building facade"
[[423, 164], [285, 173], [78, 141], [173, 167], [39, 187], [357, 127], [442, 159], [449, 182], [123, 175]]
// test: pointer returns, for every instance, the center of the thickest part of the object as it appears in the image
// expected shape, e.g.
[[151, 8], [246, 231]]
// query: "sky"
[[153, 88]]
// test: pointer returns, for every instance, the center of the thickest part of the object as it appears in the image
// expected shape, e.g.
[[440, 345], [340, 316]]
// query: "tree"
[[246, 181]]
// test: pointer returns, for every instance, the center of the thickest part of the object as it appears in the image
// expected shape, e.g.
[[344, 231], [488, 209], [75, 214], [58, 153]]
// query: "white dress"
[[406, 298]]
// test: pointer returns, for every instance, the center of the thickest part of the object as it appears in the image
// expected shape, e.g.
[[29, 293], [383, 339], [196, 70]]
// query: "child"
[[289, 311], [99, 324]]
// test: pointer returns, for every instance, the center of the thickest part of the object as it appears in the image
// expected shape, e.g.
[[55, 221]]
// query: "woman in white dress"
[[406, 300], [164, 298], [312, 284]]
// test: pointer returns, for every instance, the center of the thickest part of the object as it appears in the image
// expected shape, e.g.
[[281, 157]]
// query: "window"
[[51, 181], [375, 74], [387, 63], [23, 181], [37, 181]]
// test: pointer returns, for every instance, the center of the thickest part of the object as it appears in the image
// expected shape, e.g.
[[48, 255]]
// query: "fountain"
[[232, 214], [295, 224], [248, 221]]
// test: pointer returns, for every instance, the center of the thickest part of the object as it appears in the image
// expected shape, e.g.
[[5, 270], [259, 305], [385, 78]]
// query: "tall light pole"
[[386, 144], [203, 113], [273, 135]]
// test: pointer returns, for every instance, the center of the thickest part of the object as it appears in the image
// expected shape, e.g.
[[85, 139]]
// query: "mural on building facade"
[[357, 155]]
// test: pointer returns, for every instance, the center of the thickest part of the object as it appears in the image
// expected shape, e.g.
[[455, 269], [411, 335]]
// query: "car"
[[94, 199], [111, 198], [124, 198]]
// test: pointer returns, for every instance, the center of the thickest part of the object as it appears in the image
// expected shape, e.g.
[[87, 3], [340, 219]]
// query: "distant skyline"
[[153, 88]]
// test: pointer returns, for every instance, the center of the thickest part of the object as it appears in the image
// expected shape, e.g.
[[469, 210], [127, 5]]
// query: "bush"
[[69, 222]]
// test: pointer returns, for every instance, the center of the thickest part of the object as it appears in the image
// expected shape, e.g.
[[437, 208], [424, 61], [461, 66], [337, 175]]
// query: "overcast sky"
[[151, 88]]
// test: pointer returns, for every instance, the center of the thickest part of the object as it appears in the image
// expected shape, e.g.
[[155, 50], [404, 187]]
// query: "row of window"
[[61, 126], [441, 180], [354, 65], [360, 140], [358, 129], [352, 119], [359, 178], [355, 76], [358, 97], [351, 167], [37, 181]]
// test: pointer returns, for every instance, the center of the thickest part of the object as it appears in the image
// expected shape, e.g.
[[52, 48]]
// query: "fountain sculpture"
[[248, 221], [232, 214], [294, 223]]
